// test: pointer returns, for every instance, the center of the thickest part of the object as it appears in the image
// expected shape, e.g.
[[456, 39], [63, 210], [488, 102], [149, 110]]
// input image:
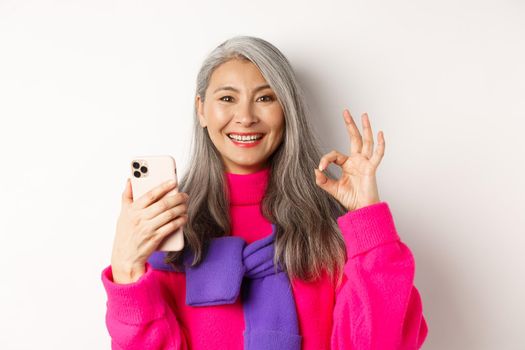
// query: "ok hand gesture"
[[357, 186]]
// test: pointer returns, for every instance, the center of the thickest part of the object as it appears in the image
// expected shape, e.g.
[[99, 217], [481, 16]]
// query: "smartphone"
[[148, 172]]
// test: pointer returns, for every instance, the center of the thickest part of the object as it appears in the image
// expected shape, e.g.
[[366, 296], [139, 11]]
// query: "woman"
[[277, 255]]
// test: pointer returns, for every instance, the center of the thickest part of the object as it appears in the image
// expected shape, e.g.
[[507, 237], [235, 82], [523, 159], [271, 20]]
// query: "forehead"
[[238, 73]]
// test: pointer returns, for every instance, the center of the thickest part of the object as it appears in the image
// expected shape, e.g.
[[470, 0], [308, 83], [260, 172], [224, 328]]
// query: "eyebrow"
[[231, 88]]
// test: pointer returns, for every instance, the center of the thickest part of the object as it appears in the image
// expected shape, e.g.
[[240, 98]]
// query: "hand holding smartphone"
[[153, 213], [151, 171]]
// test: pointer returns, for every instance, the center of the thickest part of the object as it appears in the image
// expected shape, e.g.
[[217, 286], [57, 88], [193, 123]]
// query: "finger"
[[153, 241], [323, 181], [369, 138], [332, 157], [380, 150], [155, 194], [168, 215], [171, 227], [355, 137], [127, 195], [165, 203]]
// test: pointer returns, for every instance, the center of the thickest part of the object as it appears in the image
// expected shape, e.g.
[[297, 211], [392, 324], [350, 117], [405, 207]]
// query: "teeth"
[[245, 138]]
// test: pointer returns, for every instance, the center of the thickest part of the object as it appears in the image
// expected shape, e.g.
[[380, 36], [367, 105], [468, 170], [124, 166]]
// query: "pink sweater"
[[377, 307]]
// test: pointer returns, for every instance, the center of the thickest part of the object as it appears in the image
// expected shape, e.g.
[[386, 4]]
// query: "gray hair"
[[307, 239]]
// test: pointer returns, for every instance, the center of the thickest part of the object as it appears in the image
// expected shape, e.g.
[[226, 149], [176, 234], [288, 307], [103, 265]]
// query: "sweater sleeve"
[[377, 306], [137, 317]]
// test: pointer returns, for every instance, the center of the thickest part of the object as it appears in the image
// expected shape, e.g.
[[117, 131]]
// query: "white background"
[[86, 85]]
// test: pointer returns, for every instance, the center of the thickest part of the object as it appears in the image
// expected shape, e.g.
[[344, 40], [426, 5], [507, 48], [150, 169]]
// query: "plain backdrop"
[[86, 85]]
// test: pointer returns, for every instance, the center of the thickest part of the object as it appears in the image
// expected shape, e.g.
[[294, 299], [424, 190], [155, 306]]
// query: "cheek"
[[279, 125], [282, 128], [274, 117], [217, 118]]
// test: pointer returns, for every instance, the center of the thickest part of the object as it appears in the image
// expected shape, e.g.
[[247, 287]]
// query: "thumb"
[[323, 181], [127, 195]]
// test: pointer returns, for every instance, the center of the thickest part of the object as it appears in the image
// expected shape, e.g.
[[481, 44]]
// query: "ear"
[[199, 105]]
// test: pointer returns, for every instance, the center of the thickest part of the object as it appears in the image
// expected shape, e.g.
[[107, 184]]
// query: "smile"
[[246, 140]]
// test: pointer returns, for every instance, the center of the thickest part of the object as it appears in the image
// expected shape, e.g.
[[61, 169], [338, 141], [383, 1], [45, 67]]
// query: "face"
[[239, 102]]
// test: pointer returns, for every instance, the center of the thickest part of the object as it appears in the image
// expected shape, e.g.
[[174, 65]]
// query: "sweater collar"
[[247, 189]]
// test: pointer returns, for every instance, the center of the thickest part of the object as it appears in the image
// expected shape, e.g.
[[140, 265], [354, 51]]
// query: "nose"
[[245, 115]]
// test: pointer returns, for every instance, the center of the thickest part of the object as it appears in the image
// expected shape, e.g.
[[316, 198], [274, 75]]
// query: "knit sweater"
[[376, 307]]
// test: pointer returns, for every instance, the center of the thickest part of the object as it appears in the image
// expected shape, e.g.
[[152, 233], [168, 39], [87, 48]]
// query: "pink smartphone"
[[148, 172]]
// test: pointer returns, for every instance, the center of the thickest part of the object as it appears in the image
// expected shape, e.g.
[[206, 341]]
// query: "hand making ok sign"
[[357, 186]]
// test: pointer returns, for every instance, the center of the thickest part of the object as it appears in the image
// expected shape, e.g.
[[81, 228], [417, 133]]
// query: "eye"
[[225, 97], [270, 98]]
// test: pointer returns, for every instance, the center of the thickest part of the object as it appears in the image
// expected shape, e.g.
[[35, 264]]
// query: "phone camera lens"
[[136, 165], [136, 173], [144, 169]]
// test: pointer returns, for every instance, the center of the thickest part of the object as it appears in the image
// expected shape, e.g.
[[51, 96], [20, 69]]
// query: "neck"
[[247, 189]]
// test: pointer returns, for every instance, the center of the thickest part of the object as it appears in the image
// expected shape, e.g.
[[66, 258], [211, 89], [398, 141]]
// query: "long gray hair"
[[307, 239]]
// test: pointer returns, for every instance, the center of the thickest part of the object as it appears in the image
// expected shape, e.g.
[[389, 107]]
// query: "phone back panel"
[[147, 172]]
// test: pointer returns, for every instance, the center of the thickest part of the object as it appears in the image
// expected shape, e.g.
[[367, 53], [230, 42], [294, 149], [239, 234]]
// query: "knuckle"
[[136, 220], [180, 210], [145, 232], [176, 220], [156, 238], [168, 228], [164, 204], [173, 225], [172, 214], [151, 196]]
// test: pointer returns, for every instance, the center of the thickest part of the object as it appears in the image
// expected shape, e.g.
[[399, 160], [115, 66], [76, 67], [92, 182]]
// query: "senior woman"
[[279, 254]]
